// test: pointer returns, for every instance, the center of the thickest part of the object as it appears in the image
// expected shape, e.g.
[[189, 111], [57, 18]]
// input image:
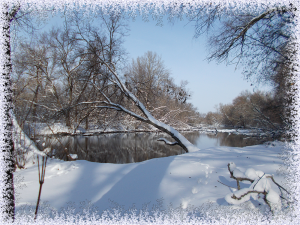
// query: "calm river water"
[[136, 147]]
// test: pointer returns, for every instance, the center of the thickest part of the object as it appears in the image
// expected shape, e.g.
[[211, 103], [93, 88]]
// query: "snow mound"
[[63, 168]]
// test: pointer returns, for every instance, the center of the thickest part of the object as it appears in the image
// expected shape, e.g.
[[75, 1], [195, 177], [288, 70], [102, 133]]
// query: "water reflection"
[[228, 139], [136, 147]]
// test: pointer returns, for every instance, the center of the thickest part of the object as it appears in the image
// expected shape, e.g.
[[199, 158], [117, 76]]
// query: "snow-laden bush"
[[260, 186]]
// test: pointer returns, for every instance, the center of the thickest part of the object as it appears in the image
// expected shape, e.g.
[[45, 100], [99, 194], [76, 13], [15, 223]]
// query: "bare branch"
[[245, 29], [167, 142]]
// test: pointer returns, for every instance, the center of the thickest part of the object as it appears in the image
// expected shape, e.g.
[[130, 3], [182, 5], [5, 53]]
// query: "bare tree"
[[261, 40], [70, 61], [95, 63], [146, 117], [147, 78], [150, 81], [113, 91], [255, 39], [258, 109], [65, 69]]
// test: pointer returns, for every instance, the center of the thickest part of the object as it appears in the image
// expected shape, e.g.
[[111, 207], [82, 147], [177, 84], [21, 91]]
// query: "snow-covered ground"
[[183, 180], [198, 179]]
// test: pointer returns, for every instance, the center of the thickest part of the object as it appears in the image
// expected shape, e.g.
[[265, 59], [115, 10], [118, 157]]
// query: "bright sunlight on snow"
[[190, 179]]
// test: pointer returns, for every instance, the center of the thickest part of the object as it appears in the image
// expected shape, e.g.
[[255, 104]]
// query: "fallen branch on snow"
[[260, 184]]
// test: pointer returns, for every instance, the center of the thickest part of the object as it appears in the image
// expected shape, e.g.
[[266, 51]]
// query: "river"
[[136, 147]]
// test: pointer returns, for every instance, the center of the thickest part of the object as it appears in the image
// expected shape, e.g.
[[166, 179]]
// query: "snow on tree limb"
[[167, 142], [260, 184], [180, 139], [116, 82], [237, 174], [280, 187]]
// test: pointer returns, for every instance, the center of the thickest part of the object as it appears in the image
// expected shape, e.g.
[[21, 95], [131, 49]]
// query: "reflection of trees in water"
[[231, 140], [115, 148], [235, 140], [135, 147], [192, 136], [60, 146]]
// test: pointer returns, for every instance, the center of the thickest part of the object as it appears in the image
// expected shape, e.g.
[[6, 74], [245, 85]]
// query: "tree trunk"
[[87, 123], [68, 120], [148, 118], [76, 115], [179, 138]]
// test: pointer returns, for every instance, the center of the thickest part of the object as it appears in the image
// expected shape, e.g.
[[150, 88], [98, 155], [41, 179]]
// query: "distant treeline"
[[250, 110]]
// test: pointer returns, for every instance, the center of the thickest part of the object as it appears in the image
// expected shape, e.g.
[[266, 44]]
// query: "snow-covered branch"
[[237, 174], [260, 184], [167, 142], [180, 139]]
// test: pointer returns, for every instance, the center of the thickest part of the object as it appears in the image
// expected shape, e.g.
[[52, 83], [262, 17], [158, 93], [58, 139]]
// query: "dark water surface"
[[136, 147]]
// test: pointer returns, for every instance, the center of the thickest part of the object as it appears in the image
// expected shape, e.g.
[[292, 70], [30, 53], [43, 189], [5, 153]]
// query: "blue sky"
[[209, 83]]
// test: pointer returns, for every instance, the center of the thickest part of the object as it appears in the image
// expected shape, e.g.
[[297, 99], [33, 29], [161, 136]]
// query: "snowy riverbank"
[[61, 129], [183, 180], [199, 179]]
